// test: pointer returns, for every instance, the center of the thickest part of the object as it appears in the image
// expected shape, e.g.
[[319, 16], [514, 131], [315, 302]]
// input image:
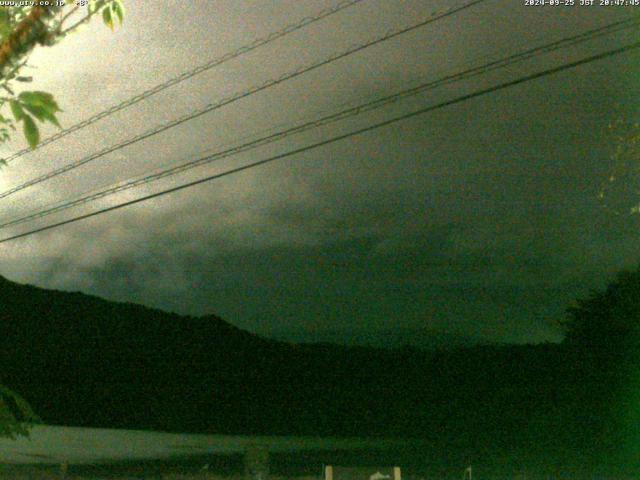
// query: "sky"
[[478, 220]]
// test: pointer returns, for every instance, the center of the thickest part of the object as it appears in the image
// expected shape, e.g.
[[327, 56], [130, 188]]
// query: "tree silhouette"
[[603, 347], [610, 320], [15, 414]]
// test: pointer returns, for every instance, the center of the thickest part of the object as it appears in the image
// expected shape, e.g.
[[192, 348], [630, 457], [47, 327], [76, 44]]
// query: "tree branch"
[[86, 18], [71, 12]]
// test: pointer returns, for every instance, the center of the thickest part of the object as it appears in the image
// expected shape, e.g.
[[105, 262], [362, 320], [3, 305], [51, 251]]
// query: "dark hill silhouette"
[[84, 361]]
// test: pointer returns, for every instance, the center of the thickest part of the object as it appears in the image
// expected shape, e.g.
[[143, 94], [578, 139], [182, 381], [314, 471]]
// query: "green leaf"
[[24, 79], [42, 99], [35, 110], [36, 96], [53, 119], [42, 114], [118, 9], [95, 5], [16, 109], [106, 17], [31, 132]]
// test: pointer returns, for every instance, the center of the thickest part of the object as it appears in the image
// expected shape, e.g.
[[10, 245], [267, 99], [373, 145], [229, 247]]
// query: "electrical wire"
[[189, 74], [349, 112], [335, 139], [190, 116]]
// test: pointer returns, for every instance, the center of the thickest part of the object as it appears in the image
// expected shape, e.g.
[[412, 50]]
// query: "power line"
[[360, 131], [353, 111], [189, 74], [190, 116]]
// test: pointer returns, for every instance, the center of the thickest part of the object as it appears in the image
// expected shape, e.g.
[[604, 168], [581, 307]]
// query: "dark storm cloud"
[[479, 219]]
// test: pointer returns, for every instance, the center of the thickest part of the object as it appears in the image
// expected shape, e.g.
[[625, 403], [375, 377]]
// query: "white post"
[[328, 472], [396, 473]]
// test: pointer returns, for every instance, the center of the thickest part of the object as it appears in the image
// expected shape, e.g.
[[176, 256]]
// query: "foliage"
[[15, 414], [29, 105], [604, 331], [32, 107], [610, 318]]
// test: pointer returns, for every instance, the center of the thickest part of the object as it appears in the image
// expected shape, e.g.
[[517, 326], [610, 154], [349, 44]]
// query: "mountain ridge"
[[83, 361]]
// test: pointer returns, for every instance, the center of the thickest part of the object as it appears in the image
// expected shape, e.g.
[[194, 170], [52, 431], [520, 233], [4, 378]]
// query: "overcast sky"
[[480, 219]]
